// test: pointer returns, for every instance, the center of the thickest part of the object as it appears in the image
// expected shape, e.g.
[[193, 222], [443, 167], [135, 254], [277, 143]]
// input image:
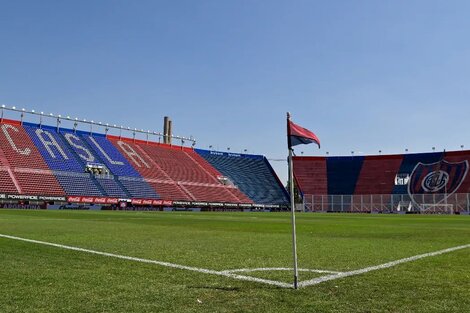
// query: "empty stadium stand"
[[177, 172], [384, 183], [51, 161], [252, 174]]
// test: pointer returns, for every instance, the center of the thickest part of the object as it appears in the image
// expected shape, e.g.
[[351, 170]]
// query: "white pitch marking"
[[322, 279], [228, 273], [167, 264], [248, 270]]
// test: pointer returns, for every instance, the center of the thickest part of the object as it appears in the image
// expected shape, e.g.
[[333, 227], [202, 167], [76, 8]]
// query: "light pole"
[[58, 123], [22, 115], [3, 108]]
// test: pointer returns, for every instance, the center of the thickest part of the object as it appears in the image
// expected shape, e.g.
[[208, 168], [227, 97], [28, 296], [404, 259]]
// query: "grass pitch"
[[39, 278]]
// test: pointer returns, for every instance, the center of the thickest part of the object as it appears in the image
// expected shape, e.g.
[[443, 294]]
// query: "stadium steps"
[[78, 184], [178, 165], [233, 190], [38, 182], [205, 167], [138, 188], [166, 188], [152, 171], [192, 197], [5, 183], [170, 190], [112, 186], [194, 176]]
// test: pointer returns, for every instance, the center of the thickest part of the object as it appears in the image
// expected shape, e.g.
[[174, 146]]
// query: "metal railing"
[[457, 203], [76, 122]]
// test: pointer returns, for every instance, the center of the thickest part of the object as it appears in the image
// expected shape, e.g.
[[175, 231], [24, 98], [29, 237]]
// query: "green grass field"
[[41, 278]]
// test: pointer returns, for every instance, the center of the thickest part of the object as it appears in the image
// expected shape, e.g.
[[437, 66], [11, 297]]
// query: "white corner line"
[[229, 273], [260, 269], [166, 264], [325, 278]]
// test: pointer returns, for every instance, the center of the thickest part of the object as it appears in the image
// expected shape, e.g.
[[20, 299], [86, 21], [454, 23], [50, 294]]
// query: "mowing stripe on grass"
[[322, 279], [167, 264]]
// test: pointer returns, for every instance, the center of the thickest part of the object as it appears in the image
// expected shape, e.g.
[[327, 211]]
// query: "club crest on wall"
[[441, 178]]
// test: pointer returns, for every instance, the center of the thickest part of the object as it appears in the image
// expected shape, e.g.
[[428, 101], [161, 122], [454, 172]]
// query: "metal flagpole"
[[292, 208]]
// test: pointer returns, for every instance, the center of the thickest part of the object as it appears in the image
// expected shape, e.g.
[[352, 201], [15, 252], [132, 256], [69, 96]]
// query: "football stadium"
[[101, 218]]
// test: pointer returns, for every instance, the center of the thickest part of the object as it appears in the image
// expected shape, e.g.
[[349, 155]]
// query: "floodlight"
[[14, 108]]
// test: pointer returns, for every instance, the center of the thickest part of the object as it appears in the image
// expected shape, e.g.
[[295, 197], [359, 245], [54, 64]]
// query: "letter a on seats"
[[132, 154], [50, 143]]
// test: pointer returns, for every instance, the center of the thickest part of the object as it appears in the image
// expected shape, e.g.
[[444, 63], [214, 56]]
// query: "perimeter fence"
[[457, 203]]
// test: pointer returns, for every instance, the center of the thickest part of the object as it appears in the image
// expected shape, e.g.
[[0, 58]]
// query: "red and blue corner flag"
[[298, 135]]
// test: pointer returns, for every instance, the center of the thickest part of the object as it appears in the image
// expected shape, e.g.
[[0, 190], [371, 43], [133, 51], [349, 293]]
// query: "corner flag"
[[296, 135], [299, 135]]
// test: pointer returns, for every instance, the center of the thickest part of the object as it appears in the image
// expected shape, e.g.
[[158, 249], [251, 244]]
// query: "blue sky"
[[363, 75]]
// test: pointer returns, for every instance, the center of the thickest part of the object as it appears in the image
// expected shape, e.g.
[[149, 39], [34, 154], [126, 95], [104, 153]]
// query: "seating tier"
[[251, 174]]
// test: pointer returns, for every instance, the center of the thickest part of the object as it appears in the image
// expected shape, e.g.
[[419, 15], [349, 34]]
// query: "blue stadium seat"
[[53, 149], [63, 161], [112, 187], [252, 174], [111, 157], [138, 188], [78, 184], [86, 155]]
